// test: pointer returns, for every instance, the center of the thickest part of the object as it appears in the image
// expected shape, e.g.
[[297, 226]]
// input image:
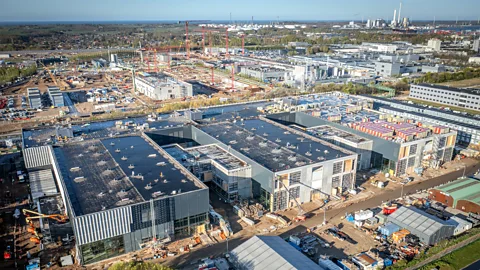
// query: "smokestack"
[[400, 14], [394, 16]]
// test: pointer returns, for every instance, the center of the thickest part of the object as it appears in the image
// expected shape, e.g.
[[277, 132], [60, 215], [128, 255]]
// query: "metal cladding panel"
[[42, 182], [191, 203], [103, 225], [37, 156]]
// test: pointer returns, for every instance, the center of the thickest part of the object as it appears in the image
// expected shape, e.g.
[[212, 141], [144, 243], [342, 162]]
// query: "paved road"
[[186, 260]]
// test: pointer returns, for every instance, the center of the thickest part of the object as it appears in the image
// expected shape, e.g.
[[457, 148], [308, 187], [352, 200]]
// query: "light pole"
[[464, 168], [401, 195], [227, 245]]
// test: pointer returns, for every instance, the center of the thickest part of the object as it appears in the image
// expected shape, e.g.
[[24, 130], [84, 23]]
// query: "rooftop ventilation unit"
[[277, 150], [157, 194], [79, 179], [75, 169]]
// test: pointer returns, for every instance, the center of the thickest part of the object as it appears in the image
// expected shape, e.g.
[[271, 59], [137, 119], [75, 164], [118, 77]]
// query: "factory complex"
[[125, 184]]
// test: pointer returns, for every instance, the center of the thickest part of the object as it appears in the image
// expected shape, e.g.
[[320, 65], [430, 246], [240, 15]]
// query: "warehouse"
[[128, 192], [162, 87], [34, 98], [287, 165], [429, 229], [56, 96], [398, 148], [270, 252], [462, 194]]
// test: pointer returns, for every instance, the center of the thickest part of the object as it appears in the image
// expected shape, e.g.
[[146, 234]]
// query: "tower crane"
[[187, 41]]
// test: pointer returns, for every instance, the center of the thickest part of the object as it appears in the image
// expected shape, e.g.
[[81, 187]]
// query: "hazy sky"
[[107, 10]]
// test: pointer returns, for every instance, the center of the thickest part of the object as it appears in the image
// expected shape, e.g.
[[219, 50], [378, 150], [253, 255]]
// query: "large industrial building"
[[398, 147], [467, 127], [128, 192], [462, 194], [448, 96], [162, 87], [429, 229]]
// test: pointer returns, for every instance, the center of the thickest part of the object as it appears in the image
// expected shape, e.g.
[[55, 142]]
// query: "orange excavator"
[[57, 217]]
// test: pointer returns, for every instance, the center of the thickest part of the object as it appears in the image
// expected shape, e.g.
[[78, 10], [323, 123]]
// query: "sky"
[[283, 10]]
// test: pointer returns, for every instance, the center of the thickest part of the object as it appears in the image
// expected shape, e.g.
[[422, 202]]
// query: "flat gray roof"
[[104, 174], [272, 145], [417, 219]]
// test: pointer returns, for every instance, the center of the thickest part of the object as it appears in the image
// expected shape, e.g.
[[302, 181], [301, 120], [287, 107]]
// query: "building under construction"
[[162, 87], [121, 193]]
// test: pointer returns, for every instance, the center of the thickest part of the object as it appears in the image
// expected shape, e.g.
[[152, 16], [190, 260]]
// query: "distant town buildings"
[[434, 44]]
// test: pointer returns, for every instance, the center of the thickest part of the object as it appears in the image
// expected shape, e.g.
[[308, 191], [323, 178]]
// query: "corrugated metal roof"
[[271, 252], [42, 182], [463, 189], [417, 219]]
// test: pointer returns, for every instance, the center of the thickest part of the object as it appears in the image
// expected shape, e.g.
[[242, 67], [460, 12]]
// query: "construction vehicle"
[[57, 217]]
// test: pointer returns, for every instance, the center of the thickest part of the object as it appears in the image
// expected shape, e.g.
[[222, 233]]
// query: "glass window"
[[101, 250], [295, 177]]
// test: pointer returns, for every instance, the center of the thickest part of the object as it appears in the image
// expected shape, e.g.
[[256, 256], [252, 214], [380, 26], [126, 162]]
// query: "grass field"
[[475, 82], [438, 105], [457, 259]]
